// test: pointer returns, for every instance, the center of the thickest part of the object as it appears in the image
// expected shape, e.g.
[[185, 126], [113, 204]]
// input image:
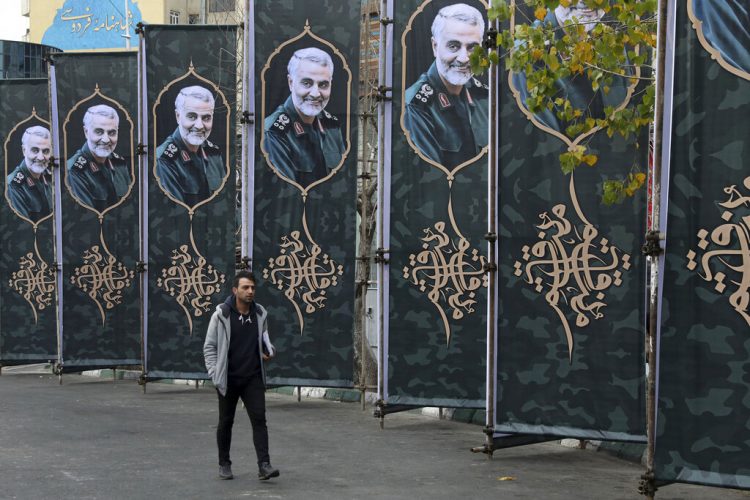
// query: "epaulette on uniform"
[[281, 122], [479, 84], [424, 94], [80, 162], [170, 150], [19, 177], [329, 116]]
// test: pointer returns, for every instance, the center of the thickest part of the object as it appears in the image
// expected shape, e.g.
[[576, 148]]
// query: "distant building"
[[23, 60], [73, 25]]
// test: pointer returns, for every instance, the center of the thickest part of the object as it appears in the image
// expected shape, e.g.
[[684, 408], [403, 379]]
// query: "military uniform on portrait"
[[189, 177], [448, 129], [300, 152], [98, 185], [30, 197], [726, 26]]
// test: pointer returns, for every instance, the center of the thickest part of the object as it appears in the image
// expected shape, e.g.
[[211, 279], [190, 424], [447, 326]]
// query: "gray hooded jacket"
[[216, 345]]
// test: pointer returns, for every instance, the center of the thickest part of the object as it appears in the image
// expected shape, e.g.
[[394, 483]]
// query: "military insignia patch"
[[185, 156], [425, 92], [282, 121], [171, 150], [93, 166], [80, 162], [298, 128], [444, 101], [19, 177]]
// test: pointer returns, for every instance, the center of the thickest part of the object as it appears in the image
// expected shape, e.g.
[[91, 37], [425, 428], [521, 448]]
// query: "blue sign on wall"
[[93, 24]]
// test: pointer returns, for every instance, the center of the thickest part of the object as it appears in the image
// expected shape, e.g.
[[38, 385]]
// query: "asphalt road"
[[94, 438]]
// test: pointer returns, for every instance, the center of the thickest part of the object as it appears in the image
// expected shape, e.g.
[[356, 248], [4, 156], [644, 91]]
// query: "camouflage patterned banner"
[[191, 100], [307, 59], [28, 321], [702, 432], [97, 106], [571, 277], [438, 218]]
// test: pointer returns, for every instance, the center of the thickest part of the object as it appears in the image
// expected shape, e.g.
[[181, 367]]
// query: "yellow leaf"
[[590, 160], [540, 13], [506, 478], [640, 177]]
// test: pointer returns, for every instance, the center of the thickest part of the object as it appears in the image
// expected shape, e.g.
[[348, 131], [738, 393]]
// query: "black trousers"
[[253, 394]]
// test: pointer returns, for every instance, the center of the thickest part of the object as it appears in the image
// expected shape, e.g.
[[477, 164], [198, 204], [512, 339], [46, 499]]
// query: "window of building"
[[194, 18], [174, 17], [220, 5]]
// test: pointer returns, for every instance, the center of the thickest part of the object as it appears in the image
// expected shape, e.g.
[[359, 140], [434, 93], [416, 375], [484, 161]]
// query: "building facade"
[[73, 25]]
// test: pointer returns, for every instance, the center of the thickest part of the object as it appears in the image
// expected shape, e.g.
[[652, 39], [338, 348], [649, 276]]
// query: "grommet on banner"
[[365, 175], [491, 237], [490, 39], [247, 117], [385, 21], [382, 91], [139, 28], [140, 266], [53, 162], [652, 248], [141, 149], [380, 255], [245, 262], [489, 267]]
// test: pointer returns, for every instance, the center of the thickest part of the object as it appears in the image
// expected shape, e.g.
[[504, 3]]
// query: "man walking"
[[236, 346]]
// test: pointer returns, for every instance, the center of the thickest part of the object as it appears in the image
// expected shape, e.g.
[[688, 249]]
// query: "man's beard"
[[37, 168], [454, 73], [309, 107], [101, 150], [195, 137]]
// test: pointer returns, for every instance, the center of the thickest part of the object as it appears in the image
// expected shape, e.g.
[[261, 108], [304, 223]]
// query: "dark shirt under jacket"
[[243, 357]]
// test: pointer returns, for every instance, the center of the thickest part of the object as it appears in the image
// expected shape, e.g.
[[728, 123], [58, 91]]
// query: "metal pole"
[[57, 213], [492, 231], [127, 25], [143, 205], [651, 339]]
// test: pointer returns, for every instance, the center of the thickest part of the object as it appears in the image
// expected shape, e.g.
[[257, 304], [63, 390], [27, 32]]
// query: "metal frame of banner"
[[665, 51], [56, 214], [385, 126], [143, 195], [248, 136]]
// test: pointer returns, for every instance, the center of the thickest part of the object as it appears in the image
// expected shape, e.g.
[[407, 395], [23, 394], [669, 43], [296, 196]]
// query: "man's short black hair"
[[240, 275]]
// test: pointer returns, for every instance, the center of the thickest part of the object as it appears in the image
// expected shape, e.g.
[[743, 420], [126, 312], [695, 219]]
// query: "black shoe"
[[225, 472], [265, 471]]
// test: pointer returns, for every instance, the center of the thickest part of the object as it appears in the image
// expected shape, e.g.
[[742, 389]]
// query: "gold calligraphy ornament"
[[304, 273], [34, 281], [103, 278], [191, 280], [449, 271], [730, 251], [572, 266]]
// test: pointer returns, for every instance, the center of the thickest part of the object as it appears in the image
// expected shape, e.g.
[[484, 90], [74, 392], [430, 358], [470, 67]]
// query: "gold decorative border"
[[517, 94], [307, 31], [97, 93], [449, 173], [31, 117], [154, 143], [715, 54]]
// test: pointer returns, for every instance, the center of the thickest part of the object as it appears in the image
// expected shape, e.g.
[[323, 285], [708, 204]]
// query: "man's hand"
[[266, 357]]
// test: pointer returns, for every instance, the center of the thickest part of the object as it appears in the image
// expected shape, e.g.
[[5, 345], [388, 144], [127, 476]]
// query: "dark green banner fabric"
[[97, 109], [28, 321], [571, 279], [191, 100], [304, 237], [703, 434], [438, 217]]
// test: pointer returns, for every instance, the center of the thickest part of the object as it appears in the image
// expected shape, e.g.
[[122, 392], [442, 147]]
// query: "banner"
[[702, 433], [304, 235], [28, 322], [571, 278], [190, 82], [97, 106], [437, 315]]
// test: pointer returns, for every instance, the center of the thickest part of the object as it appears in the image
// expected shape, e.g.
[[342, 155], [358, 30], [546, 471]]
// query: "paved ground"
[[95, 438]]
